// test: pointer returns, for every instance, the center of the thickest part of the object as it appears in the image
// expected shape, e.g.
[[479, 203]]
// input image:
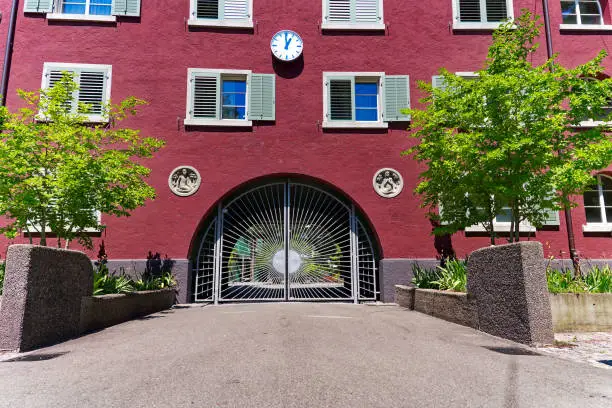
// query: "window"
[[94, 83], [364, 100], [229, 97], [600, 119], [481, 14], [598, 205], [90, 10], [221, 13], [353, 15], [581, 12]]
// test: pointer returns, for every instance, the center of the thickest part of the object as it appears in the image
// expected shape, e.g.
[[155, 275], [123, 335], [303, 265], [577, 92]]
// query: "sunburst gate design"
[[285, 241]]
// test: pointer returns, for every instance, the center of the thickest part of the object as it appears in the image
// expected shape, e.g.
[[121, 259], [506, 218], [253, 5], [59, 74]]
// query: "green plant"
[[452, 276], [105, 283], [599, 279], [425, 278], [166, 280], [563, 282], [1, 278]]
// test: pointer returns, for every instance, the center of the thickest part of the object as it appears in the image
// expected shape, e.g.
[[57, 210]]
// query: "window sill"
[[218, 122], [355, 125], [597, 228], [585, 27], [476, 26], [89, 119], [81, 17], [500, 228], [354, 27], [219, 23], [592, 124]]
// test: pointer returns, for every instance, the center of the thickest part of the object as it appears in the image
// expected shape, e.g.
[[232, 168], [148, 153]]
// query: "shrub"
[[425, 278], [453, 276], [597, 280], [1, 278]]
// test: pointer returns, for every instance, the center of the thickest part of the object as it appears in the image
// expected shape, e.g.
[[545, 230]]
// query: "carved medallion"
[[388, 183], [184, 181]]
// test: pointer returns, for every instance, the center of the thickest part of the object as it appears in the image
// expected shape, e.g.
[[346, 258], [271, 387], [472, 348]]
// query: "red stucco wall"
[[150, 58]]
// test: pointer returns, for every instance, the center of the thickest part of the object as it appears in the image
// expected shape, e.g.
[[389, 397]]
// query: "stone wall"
[[581, 311], [43, 288]]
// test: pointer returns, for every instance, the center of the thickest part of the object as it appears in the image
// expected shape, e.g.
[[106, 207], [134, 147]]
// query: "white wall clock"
[[286, 45]]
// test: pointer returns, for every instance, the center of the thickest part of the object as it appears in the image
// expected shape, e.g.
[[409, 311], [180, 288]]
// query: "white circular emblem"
[[286, 45], [184, 181], [388, 183], [278, 261]]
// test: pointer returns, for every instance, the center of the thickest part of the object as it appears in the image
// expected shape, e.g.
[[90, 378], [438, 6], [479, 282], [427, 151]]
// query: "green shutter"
[[437, 81], [396, 90], [365, 11], [234, 10], [340, 99], [130, 8], [262, 99], [552, 218], [205, 94], [38, 6]]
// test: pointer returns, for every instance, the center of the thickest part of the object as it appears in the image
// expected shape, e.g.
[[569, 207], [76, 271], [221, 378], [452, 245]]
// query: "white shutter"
[[205, 96], [339, 11], [496, 10], [53, 77], [235, 9], [38, 6], [397, 98], [367, 11], [262, 104], [92, 90], [469, 11], [437, 81], [130, 8]]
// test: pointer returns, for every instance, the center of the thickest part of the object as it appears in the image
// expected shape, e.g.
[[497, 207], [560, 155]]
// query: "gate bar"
[[287, 236], [354, 251], [218, 259]]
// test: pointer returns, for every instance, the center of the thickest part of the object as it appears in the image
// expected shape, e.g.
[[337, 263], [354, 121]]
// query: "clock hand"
[[287, 42]]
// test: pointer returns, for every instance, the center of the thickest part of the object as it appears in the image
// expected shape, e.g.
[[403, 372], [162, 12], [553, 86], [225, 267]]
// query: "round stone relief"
[[388, 183], [184, 181]]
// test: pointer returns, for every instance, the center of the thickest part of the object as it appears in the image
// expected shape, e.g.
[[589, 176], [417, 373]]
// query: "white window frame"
[[587, 27], [459, 25], [33, 228], [193, 21], [524, 226], [91, 118], [191, 121], [353, 26], [605, 225], [331, 124], [58, 15]]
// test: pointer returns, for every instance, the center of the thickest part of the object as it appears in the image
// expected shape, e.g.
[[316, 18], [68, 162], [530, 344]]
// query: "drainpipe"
[[8, 52], [567, 211]]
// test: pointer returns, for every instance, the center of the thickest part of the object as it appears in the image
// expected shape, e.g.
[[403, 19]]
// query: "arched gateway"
[[285, 240]]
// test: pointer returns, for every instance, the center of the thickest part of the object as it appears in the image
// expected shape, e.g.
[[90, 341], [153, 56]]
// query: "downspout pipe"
[[571, 241], [8, 53]]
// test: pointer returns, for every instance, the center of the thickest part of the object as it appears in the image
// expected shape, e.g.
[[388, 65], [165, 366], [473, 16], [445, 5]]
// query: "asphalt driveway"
[[297, 355]]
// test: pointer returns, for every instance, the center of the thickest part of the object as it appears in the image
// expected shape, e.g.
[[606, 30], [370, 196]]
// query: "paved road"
[[297, 355]]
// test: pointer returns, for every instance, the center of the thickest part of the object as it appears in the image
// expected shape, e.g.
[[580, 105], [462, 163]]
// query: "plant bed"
[[98, 312], [581, 311]]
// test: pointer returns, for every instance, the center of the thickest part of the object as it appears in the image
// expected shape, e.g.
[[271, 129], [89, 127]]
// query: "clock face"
[[286, 45]]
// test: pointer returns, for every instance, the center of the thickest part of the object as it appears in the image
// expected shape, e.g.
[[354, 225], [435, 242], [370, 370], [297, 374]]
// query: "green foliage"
[[453, 276], [165, 280], [425, 278], [57, 170], [106, 283], [597, 280], [509, 137], [1, 278]]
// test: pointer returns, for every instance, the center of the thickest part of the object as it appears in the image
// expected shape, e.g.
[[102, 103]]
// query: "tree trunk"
[[492, 232]]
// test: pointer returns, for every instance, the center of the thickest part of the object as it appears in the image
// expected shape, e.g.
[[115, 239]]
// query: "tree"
[[57, 171], [510, 138]]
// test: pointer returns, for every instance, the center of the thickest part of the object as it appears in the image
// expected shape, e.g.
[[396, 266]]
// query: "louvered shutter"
[[366, 11], [92, 90], [53, 77], [208, 9], [129, 8], [396, 90], [340, 99], [234, 9], [38, 6], [262, 99], [469, 11], [552, 218], [205, 95], [496, 10], [338, 11], [437, 81]]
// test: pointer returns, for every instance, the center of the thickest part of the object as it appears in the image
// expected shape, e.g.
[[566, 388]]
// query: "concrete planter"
[[581, 311], [98, 312]]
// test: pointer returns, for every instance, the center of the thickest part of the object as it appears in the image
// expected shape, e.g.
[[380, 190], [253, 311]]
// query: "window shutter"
[[262, 103], [397, 97], [340, 99], [53, 77], [496, 10], [338, 11], [38, 6], [205, 96], [130, 8], [552, 218], [367, 11], [235, 9], [469, 11], [437, 81], [92, 90]]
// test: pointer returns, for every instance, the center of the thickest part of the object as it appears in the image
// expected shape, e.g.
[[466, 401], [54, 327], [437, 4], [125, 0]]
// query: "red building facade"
[[151, 51]]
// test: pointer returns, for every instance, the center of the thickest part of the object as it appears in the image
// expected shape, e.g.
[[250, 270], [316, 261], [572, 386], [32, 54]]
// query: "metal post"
[[354, 251], [286, 238], [8, 53], [218, 249], [567, 211]]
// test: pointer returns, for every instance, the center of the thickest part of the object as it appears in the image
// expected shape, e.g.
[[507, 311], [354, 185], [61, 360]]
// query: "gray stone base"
[[180, 268], [398, 271]]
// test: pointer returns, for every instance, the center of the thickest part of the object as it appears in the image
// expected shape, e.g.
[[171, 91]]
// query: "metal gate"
[[285, 241]]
